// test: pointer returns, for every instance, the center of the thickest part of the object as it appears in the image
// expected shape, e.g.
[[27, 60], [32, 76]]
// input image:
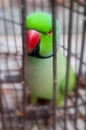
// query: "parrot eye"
[[50, 33]]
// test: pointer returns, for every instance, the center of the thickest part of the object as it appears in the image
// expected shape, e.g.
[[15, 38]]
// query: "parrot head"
[[39, 34]]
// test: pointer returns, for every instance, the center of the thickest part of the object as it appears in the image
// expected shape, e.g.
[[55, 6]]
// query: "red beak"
[[33, 39]]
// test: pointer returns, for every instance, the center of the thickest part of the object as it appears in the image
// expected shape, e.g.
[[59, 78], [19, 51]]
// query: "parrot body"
[[40, 59]]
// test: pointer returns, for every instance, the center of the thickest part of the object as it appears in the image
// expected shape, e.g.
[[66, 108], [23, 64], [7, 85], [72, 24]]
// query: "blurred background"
[[12, 90]]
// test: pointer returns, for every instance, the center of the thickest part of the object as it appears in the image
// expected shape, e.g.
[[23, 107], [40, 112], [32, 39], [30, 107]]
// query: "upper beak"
[[33, 39]]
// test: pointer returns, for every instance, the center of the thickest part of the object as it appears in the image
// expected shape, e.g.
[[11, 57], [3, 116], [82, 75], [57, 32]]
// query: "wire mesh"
[[16, 112]]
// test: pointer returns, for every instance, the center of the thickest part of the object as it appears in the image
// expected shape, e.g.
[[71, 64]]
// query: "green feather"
[[42, 22], [40, 77], [40, 71], [39, 21], [45, 39]]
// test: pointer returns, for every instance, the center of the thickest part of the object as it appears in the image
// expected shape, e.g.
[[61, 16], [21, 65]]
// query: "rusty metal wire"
[[68, 61], [80, 65], [15, 110], [53, 6]]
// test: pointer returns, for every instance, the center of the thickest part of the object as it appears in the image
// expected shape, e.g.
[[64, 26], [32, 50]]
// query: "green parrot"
[[40, 59]]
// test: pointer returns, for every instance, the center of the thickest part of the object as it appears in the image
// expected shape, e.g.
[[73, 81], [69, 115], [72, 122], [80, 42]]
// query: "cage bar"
[[15, 110]]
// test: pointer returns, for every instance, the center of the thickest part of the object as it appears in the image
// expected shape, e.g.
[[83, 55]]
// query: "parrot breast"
[[40, 75]]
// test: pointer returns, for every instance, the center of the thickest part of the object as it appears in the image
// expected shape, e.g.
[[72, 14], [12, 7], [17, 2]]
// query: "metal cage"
[[15, 110]]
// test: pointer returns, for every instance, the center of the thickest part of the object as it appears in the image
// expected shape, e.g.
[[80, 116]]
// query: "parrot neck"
[[37, 55]]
